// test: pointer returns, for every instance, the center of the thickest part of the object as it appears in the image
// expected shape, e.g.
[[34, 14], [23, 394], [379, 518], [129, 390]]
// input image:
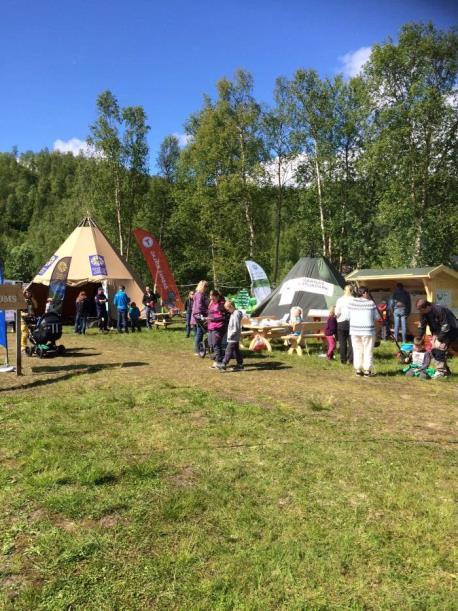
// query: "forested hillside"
[[375, 181]]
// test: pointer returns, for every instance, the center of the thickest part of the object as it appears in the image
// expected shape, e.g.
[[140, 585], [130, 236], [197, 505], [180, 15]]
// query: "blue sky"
[[56, 56]]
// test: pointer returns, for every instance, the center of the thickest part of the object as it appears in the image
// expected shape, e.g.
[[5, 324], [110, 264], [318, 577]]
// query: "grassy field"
[[133, 477]]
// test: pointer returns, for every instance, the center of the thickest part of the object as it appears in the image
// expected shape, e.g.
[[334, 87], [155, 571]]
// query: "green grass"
[[168, 486]]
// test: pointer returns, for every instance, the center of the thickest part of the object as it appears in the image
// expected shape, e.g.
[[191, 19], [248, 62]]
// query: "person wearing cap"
[[101, 301], [444, 328]]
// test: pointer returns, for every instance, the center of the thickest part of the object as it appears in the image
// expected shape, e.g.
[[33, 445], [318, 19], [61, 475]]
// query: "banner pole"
[[18, 343]]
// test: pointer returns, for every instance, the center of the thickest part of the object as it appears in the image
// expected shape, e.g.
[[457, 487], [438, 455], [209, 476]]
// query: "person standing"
[[330, 332], [134, 317], [234, 332], [150, 300], [199, 310], [121, 301], [217, 323], [188, 311], [401, 306], [27, 314], [363, 314], [101, 310], [82, 312], [343, 325], [444, 328]]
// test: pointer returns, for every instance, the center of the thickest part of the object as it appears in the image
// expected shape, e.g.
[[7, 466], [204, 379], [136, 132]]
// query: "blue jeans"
[[198, 338], [400, 318], [122, 321], [150, 314], [80, 324]]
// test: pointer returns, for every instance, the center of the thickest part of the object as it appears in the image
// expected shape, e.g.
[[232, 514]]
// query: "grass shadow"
[[78, 349], [90, 367], [267, 365], [72, 371], [77, 355]]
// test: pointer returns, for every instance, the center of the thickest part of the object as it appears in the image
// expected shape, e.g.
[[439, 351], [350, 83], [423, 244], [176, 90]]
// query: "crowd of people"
[[350, 325], [128, 314]]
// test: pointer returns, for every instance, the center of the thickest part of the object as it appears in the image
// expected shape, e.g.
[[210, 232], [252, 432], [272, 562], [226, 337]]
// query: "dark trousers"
[[135, 324], [217, 343], [122, 321], [103, 320], [189, 328], [343, 335], [233, 352]]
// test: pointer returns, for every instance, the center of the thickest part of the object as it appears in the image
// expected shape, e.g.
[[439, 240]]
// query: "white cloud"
[[352, 63], [183, 139], [75, 146]]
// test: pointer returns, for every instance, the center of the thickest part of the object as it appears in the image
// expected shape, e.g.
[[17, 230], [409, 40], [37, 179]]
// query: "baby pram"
[[43, 333], [404, 354]]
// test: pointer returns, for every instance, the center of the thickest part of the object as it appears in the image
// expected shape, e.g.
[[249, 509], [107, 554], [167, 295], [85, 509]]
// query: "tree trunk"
[[118, 214], [320, 202], [278, 219], [247, 197], [424, 201], [212, 246]]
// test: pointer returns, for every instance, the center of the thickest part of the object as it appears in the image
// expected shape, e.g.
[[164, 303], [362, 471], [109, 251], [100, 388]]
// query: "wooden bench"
[[302, 331], [162, 320]]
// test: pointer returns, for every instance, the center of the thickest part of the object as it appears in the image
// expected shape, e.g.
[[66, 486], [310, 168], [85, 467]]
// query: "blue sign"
[[47, 265], [3, 335], [98, 267]]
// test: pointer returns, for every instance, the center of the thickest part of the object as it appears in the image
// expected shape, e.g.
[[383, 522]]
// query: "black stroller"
[[43, 333]]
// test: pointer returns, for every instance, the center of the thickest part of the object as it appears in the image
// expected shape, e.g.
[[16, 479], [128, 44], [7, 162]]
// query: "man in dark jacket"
[[101, 309], [150, 300], [444, 328], [401, 307]]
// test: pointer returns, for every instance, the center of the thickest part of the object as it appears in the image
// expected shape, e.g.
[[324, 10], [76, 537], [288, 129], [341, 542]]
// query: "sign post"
[[11, 298]]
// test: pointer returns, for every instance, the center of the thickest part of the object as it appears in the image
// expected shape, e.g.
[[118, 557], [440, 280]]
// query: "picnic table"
[[295, 336], [255, 330], [162, 319]]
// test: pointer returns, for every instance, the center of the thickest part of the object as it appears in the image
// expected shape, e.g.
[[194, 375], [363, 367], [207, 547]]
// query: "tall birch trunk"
[[278, 219], [118, 215], [246, 197], [320, 202]]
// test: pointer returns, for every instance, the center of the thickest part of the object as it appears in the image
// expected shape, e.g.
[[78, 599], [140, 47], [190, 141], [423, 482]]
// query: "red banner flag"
[[160, 270]]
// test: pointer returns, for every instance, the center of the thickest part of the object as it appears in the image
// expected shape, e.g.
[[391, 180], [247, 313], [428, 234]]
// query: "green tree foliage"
[[119, 138], [412, 143]]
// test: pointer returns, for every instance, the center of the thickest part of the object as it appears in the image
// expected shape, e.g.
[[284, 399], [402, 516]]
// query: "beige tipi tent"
[[95, 262]]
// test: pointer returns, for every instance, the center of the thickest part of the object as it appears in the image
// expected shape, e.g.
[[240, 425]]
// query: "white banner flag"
[[260, 284]]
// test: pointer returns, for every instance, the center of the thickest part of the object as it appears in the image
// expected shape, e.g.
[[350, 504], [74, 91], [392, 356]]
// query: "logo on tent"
[[98, 267], [147, 241], [62, 266]]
